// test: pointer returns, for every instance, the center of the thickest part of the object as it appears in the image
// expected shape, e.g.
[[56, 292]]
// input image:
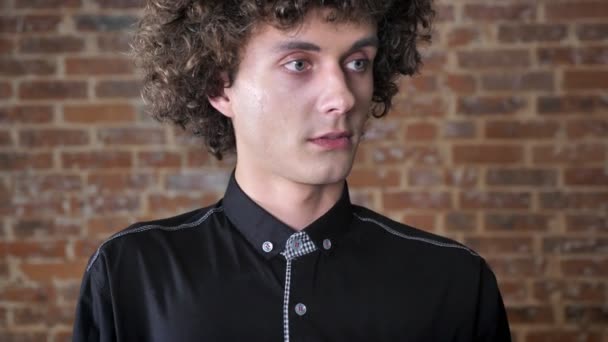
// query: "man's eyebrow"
[[307, 46]]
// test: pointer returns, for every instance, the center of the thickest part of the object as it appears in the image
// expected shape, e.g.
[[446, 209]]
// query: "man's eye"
[[297, 65], [358, 64]]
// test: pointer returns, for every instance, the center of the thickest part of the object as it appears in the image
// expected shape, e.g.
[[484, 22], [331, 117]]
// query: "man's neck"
[[294, 204]]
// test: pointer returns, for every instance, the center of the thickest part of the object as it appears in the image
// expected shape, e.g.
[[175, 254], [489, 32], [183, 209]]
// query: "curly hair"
[[185, 49]]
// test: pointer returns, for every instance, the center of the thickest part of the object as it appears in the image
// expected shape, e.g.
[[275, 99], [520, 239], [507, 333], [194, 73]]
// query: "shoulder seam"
[[150, 227], [415, 238]]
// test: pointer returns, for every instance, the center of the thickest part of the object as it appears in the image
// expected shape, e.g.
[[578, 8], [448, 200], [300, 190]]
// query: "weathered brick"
[[420, 131], [462, 36], [490, 105], [112, 204], [460, 83], [571, 154], [29, 23], [494, 200], [521, 177], [586, 223], [423, 177], [587, 128], [210, 180], [585, 267], [98, 66], [106, 225], [419, 155], [21, 67], [114, 42], [25, 161], [562, 335], [52, 90], [532, 33], [38, 249], [595, 55], [26, 114], [500, 245], [514, 82], [104, 23], [159, 159], [119, 182], [569, 290], [50, 45], [444, 12], [587, 79], [521, 129], [5, 138], [586, 314], [494, 12], [7, 45], [120, 3], [96, 159], [458, 129], [106, 113], [22, 336], [117, 89], [47, 182], [419, 83], [574, 200], [6, 90], [501, 58], [53, 137], [592, 31], [417, 200], [160, 203], [374, 178], [131, 136], [494, 222], [197, 157], [47, 4], [418, 107], [517, 266], [586, 176], [487, 154], [571, 104], [576, 10], [45, 272], [42, 229], [530, 314], [457, 221], [464, 177], [27, 294]]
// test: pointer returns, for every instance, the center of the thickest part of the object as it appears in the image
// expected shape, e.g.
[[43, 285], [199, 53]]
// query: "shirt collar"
[[259, 227]]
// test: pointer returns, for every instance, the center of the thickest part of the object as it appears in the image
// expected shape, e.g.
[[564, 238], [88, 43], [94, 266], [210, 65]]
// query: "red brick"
[[592, 31], [573, 56], [513, 291], [47, 182], [531, 33], [98, 66], [419, 155], [464, 177], [86, 248], [38, 249], [118, 42], [588, 79], [119, 182], [419, 83], [96, 159], [574, 200], [374, 178], [433, 61], [586, 223], [5, 138], [420, 131], [487, 154], [575, 245], [516, 266], [530, 314], [45, 272], [541, 81], [460, 222], [490, 105], [106, 113], [499, 58], [586, 314], [38, 229], [423, 177], [569, 290], [49, 4], [521, 129], [444, 12], [587, 128], [586, 176], [197, 157], [30, 23], [7, 45], [458, 129], [53, 90], [571, 154], [159, 159], [416, 200], [22, 336], [460, 84], [6, 90], [585, 267], [113, 204], [576, 10], [26, 114], [117, 89], [500, 245], [424, 222], [104, 226], [104, 23], [120, 3], [23, 294], [25, 161], [131, 136], [160, 203], [418, 107], [211, 181], [571, 104], [51, 45], [494, 200], [521, 177], [561, 335], [53, 137], [494, 222], [462, 36], [494, 12], [21, 67]]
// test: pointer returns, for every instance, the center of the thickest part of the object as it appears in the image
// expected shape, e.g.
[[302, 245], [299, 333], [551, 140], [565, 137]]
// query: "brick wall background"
[[500, 143]]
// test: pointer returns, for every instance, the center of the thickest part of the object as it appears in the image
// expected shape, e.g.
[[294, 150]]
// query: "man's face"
[[300, 99]]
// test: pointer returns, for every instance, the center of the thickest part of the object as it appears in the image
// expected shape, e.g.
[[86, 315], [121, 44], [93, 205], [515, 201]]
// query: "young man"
[[288, 85]]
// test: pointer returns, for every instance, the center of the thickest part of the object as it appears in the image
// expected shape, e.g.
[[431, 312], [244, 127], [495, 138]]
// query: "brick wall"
[[500, 143]]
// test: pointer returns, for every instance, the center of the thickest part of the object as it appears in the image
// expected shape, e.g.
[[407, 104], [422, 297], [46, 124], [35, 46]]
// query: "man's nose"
[[336, 94]]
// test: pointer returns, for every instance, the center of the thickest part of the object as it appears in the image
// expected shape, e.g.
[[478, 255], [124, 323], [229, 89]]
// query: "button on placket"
[[300, 309]]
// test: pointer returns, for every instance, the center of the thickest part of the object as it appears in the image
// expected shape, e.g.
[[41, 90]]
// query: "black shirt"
[[233, 272]]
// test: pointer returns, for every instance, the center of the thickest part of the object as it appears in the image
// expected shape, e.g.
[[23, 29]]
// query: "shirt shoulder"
[[145, 233]]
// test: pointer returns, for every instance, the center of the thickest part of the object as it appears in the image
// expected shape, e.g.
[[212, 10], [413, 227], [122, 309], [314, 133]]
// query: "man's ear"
[[222, 102]]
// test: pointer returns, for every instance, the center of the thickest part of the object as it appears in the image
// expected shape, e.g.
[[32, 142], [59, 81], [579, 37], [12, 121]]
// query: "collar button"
[[327, 244], [267, 246]]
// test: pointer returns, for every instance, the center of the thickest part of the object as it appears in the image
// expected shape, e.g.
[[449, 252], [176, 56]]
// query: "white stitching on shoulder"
[[409, 237], [153, 226]]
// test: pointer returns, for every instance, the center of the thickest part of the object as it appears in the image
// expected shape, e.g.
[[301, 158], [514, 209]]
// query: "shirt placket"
[[297, 245]]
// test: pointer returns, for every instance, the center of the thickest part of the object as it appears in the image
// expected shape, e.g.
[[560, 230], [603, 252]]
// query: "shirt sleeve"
[[94, 313], [492, 323]]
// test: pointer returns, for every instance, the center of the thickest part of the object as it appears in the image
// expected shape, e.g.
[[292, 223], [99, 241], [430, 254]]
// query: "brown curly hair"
[[184, 47]]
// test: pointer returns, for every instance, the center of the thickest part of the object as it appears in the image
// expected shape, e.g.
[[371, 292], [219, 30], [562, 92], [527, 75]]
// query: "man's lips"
[[333, 140], [334, 135]]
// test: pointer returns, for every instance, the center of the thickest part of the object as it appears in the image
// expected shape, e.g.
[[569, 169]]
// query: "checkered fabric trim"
[[297, 245]]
